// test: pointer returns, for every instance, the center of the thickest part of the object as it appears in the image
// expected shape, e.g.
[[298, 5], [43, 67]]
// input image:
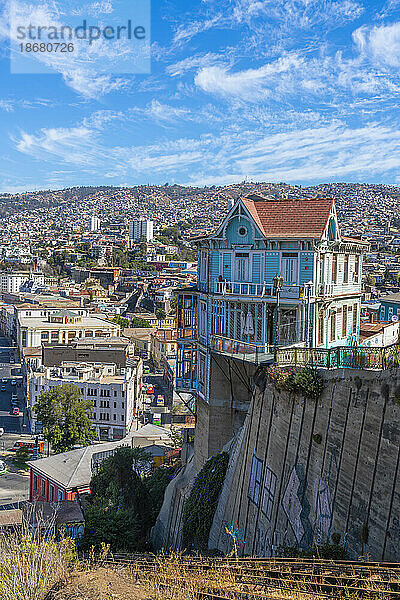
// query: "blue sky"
[[302, 91]]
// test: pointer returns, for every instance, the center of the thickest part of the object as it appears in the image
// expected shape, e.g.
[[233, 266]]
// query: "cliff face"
[[302, 470]]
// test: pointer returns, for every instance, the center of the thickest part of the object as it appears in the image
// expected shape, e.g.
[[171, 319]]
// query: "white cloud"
[[309, 154], [164, 112], [380, 44], [100, 118], [315, 154], [389, 7], [187, 31], [94, 9], [73, 145], [6, 105], [195, 62], [80, 69], [299, 14], [251, 84]]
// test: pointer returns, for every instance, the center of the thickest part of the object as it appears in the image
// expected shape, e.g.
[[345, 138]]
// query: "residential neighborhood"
[[131, 334]]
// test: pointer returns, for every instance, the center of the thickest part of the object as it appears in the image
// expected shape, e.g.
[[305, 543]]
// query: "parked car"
[[1, 431], [15, 411], [3, 467], [150, 389], [3, 388], [12, 361], [13, 382], [4, 380]]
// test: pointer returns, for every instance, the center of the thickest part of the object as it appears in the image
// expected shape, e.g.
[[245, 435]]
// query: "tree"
[[65, 416], [370, 280], [161, 314], [122, 321], [119, 508], [177, 437], [123, 505], [139, 322], [141, 460], [172, 233], [173, 305], [156, 483]]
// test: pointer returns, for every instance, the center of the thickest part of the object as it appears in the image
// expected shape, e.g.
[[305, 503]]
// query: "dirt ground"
[[99, 584]]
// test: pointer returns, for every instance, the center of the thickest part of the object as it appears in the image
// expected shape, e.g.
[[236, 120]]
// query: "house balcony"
[[258, 290], [326, 290], [331, 290], [253, 353]]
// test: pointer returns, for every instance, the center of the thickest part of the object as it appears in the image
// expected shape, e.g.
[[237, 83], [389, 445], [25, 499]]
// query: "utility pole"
[[308, 287], [278, 284]]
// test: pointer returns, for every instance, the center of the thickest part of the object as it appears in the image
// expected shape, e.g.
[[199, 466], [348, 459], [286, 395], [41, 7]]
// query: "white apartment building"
[[115, 393], [17, 281], [95, 223], [141, 228], [37, 326]]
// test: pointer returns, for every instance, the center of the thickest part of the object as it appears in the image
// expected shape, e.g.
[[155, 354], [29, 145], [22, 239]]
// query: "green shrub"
[[199, 508], [22, 455], [288, 551], [156, 483], [302, 380], [326, 551], [317, 437], [308, 382]]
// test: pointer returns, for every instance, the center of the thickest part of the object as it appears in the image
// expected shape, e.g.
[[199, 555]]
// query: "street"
[[9, 367], [14, 485]]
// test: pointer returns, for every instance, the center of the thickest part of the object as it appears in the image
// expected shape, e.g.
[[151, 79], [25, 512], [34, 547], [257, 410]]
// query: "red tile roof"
[[289, 218]]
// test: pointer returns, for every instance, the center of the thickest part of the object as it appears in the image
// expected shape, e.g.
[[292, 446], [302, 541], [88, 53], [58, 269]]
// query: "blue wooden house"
[[390, 308], [275, 274]]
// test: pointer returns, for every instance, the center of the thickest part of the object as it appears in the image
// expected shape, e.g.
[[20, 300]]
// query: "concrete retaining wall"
[[324, 467]]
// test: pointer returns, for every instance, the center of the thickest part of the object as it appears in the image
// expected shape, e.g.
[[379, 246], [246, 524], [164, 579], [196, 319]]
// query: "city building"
[[95, 223], [374, 335], [162, 346], [61, 476], [116, 393], [35, 326], [141, 229], [390, 307], [116, 350], [276, 273], [18, 281]]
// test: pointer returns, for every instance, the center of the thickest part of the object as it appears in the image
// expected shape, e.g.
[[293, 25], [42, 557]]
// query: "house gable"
[[239, 227]]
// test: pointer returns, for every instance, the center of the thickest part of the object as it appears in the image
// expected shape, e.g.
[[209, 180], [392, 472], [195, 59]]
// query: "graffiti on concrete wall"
[[263, 545], [322, 510], [292, 506], [297, 507]]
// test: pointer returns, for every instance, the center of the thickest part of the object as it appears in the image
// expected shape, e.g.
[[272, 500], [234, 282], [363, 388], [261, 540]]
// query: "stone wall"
[[324, 467]]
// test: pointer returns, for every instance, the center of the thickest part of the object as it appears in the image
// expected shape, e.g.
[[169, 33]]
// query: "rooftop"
[[296, 218], [73, 469], [43, 323]]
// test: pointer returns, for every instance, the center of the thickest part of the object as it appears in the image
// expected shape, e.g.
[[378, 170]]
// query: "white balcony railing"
[[325, 290], [261, 290]]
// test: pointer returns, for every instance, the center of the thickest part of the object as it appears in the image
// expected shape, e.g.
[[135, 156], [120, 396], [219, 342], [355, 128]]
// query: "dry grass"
[[175, 579], [99, 584], [37, 567], [30, 563]]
